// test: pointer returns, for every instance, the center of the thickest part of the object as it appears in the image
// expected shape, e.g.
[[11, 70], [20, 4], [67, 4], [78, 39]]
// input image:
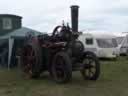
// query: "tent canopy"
[[19, 33], [22, 32]]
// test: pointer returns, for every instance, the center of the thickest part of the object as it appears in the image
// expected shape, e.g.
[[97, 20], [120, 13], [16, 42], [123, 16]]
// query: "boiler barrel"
[[74, 17]]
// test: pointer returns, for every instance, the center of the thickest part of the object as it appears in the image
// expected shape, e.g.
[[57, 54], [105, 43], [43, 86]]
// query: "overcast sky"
[[95, 15]]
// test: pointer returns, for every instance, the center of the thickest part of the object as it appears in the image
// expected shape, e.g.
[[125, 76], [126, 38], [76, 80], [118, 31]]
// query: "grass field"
[[113, 81]]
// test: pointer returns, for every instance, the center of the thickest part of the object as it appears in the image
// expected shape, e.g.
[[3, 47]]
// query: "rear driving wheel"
[[91, 67], [61, 69], [30, 61]]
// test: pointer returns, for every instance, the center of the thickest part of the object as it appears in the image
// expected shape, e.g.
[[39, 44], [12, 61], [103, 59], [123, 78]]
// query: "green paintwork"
[[16, 23]]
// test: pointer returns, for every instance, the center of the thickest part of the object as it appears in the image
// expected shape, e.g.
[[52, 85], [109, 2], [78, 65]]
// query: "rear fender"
[[88, 53]]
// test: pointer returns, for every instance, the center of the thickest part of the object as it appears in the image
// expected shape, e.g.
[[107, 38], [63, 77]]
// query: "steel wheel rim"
[[29, 59], [89, 67]]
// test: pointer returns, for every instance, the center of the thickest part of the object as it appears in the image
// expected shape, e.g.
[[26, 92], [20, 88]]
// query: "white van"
[[103, 45], [123, 44]]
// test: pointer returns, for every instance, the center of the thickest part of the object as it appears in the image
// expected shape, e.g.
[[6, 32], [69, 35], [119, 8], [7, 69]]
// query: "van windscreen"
[[107, 43]]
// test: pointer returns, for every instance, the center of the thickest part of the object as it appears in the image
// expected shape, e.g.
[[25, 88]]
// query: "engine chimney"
[[74, 17]]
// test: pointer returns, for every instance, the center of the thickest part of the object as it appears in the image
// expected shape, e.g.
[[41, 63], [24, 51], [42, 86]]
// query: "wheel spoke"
[[89, 67], [90, 61], [29, 59], [87, 73], [59, 69], [91, 72]]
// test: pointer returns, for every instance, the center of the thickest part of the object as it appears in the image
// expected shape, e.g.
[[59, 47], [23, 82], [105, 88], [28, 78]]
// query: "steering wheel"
[[56, 31], [62, 32]]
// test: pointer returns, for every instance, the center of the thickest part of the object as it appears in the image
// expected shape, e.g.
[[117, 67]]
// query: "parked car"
[[123, 44]]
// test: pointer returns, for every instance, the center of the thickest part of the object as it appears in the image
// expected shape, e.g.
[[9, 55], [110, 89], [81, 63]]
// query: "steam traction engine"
[[60, 54]]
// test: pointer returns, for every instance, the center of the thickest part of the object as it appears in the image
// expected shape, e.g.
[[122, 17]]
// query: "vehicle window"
[[107, 43], [89, 41], [7, 23]]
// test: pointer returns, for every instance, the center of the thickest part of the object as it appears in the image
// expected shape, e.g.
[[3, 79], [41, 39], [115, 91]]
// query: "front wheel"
[[91, 66], [61, 68]]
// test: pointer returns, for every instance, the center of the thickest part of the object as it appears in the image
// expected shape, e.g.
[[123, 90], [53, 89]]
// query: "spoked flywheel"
[[30, 61], [91, 67], [61, 69]]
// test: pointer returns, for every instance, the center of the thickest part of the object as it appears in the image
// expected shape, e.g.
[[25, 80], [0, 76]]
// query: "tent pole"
[[11, 42]]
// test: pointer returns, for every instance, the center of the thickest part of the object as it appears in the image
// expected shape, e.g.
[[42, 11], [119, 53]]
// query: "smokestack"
[[74, 17]]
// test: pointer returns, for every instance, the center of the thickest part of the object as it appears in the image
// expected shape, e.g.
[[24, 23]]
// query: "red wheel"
[[31, 61]]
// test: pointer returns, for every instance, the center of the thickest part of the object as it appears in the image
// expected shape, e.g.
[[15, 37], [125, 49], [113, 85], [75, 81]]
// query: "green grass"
[[113, 81]]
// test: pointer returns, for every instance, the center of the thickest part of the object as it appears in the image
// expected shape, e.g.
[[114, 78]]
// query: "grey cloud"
[[44, 15], [118, 11]]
